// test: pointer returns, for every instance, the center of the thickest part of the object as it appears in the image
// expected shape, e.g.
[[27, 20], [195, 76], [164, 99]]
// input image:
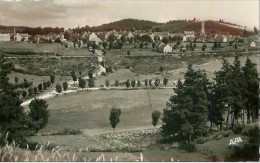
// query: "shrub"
[[200, 141], [68, 131], [103, 73], [237, 129], [189, 147], [226, 133], [116, 83]]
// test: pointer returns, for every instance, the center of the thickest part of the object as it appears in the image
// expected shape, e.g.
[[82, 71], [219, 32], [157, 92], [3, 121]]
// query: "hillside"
[[10, 29], [216, 27], [126, 24], [180, 26]]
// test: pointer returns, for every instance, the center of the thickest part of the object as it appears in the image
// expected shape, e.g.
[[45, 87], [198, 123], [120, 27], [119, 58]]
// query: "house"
[[5, 37], [128, 35], [21, 37], [164, 48], [93, 38], [252, 44], [188, 36], [161, 35]]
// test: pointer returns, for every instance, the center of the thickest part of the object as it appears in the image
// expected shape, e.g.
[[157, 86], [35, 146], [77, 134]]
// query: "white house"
[[252, 44], [21, 37], [93, 37], [167, 49], [4, 37], [188, 35], [164, 48]]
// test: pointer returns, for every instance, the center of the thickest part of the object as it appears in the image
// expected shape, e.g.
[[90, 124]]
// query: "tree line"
[[224, 103], [15, 124]]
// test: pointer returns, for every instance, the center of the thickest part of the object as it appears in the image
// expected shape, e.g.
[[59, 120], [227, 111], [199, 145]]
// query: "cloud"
[[80, 12]]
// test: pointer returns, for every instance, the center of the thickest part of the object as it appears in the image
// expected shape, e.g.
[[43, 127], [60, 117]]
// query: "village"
[[162, 42]]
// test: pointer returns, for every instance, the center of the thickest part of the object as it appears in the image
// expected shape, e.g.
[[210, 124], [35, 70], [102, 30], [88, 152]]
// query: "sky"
[[73, 13]]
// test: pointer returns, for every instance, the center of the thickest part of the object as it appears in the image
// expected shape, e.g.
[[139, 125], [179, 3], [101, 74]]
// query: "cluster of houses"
[[51, 37], [99, 37]]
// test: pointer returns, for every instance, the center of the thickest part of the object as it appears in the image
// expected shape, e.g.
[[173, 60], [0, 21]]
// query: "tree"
[[111, 38], [74, 77], [165, 81], [155, 117], [40, 87], [107, 83], [52, 79], [24, 93], [48, 83], [16, 79], [116, 83], [65, 86], [82, 83], [30, 91], [153, 45], [165, 40], [187, 112], [35, 90], [255, 30], [251, 90], [146, 82], [133, 83], [127, 83], [141, 45], [13, 119], [157, 82], [114, 117], [90, 74], [44, 85], [128, 52], [39, 113], [58, 88], [139, 83], [91, 83], [235, 46], [204, 46], [150, 82], [161, 69]]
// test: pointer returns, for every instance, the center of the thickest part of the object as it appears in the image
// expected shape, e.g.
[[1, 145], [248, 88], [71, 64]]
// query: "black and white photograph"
[[129, 80]]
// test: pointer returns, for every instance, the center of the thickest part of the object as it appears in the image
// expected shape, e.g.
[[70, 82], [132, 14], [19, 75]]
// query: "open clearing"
[[90, 110]]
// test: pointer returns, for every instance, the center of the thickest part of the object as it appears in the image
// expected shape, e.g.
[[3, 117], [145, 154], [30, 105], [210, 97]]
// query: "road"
[[73, 88]]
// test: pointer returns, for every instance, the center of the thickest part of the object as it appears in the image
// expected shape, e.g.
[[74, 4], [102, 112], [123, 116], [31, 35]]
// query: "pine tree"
[[13, 119], [221, 99], [236, 85], [187, 112], [251, 89]]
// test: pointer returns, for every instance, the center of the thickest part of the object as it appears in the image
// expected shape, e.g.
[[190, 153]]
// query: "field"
[[15, 47], [90, 110]]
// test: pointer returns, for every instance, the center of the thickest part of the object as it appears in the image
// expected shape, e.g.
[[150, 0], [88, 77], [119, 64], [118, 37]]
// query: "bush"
[[189, 147], [237, 129], [68, 131], [200, 141], [226, 133], [103, 73]]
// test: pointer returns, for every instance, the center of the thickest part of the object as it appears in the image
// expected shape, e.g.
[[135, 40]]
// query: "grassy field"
[[54, 48], [90, 110]]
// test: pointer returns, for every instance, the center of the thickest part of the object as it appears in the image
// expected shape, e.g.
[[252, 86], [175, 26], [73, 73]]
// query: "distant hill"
[[126, 24], [174, 26], [10, 29]]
